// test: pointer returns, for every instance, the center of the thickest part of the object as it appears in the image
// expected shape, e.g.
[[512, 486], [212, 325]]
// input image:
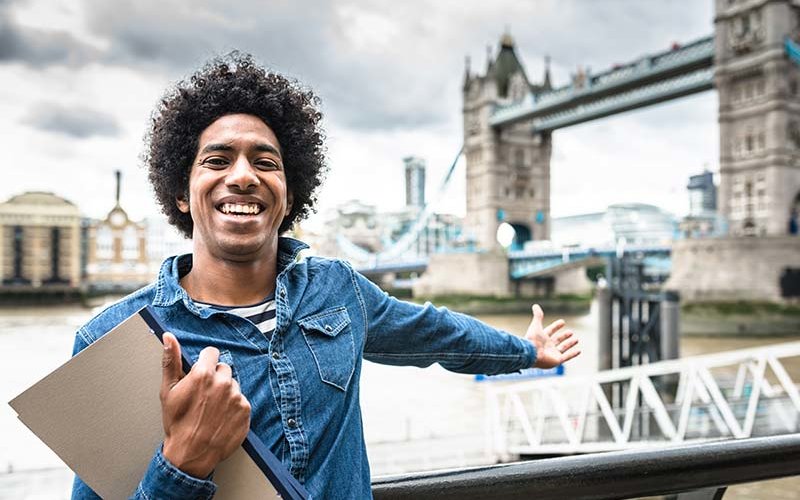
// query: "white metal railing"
[[735, 394]]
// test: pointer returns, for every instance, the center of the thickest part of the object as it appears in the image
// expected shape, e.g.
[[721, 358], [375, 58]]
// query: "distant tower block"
[[508, 169], [415, 181], [702, 194], [759, 115]]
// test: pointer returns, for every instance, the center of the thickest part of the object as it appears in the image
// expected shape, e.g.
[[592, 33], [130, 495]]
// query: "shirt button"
[[276, 355], [283, 293], [292, 423], [328, 328]]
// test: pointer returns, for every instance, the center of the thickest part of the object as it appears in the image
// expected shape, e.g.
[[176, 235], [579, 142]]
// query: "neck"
[[230, 282]]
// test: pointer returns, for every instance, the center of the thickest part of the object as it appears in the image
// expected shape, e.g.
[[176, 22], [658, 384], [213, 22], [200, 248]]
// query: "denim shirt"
[[303, 382]]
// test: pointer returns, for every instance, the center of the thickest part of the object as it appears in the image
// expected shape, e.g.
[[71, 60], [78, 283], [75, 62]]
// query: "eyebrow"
[[261, 147], [268, 148]]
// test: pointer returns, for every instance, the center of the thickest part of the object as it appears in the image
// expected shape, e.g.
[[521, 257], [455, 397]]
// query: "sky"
[[81, 77]]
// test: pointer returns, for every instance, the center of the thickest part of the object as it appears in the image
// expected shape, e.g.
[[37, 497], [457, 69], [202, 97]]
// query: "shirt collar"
[[288, 249], [169, 290]]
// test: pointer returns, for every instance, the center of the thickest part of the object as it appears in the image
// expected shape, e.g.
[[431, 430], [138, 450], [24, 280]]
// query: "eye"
[[215, 162], [267, 164]]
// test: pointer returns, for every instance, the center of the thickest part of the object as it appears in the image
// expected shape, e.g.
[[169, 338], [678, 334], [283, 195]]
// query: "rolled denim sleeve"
[[401, 333], [162, 480], [165, 481]]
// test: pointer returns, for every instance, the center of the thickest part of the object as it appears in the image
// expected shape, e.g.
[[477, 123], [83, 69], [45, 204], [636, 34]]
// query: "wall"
[[724, 269]]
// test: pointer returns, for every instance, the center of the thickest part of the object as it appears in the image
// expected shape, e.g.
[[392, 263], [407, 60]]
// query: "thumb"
[[538, 316], [171, 363]]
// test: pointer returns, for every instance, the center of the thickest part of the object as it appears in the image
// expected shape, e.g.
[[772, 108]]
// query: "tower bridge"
[[752, 59], [678, 72]]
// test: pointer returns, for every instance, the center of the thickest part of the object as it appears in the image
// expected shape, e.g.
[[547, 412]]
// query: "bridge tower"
[[759, 115], [508, 169]]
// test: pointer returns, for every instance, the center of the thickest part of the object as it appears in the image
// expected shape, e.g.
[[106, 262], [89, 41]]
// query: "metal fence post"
[[604, 296], [670, 325]]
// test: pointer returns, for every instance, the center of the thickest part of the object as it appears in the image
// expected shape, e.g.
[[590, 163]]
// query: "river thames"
[[414, 419]]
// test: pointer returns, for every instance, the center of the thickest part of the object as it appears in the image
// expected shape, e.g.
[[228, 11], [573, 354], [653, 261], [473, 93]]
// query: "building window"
[[19, 239], [18, 257], [794, 216], [761, 195], [130, 244], [519, 159], [55, 254], [105, 243]]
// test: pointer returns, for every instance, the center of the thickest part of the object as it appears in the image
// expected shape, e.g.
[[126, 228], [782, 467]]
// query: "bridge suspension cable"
[[410, 236]]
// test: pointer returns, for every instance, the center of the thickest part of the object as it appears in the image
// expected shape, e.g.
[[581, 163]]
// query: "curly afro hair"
[[226, 85]]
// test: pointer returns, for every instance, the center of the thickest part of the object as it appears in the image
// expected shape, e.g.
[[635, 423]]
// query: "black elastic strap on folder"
[[286, 485]]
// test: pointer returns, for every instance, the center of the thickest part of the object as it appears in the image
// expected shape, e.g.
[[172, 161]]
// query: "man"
[[235, 155]]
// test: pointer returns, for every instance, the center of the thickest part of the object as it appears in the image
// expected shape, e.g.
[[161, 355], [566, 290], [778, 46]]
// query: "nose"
[[242, 175]]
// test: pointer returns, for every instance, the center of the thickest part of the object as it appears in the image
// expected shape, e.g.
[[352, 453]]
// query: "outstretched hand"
[[554, 346]]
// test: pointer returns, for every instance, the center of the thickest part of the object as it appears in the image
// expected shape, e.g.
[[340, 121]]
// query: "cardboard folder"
[[100, 412]]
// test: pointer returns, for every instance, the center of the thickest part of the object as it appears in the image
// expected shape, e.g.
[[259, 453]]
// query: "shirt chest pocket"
[[330, 339]]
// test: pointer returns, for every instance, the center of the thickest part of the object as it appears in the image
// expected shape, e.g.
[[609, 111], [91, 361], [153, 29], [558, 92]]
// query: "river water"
[[414, 419]]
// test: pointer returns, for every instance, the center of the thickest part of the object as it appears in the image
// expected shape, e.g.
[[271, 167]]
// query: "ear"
[[182, 203], [289, 203]]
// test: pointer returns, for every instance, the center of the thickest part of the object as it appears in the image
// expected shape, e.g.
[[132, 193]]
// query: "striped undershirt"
[[262, 314]]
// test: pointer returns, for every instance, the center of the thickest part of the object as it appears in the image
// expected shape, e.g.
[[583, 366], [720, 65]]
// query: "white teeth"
[[240, 208]]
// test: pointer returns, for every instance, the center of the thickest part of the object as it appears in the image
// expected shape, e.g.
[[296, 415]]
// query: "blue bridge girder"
[[646, 81], [792, 50], [524, 265]]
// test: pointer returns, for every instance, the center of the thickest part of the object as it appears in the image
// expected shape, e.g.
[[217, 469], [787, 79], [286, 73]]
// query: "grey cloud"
[[38, 47], [413, 81], [361, 88], [178, 37], [78, 121], [600, 34]]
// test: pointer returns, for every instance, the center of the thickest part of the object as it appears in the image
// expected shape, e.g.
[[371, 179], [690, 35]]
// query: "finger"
[[224, 369], [561, 337], [554, 327], [567, 345], [569, 355], [538, 316], [172, 368], [206, 366], [208, 359]]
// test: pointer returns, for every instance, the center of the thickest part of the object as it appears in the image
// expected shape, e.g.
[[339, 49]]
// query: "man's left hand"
[[554, 346]]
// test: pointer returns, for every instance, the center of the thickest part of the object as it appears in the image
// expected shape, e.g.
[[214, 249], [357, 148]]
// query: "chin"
[[242, 249]]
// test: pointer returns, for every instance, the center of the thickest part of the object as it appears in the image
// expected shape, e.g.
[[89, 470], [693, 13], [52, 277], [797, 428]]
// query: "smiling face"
[[237, 190]]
